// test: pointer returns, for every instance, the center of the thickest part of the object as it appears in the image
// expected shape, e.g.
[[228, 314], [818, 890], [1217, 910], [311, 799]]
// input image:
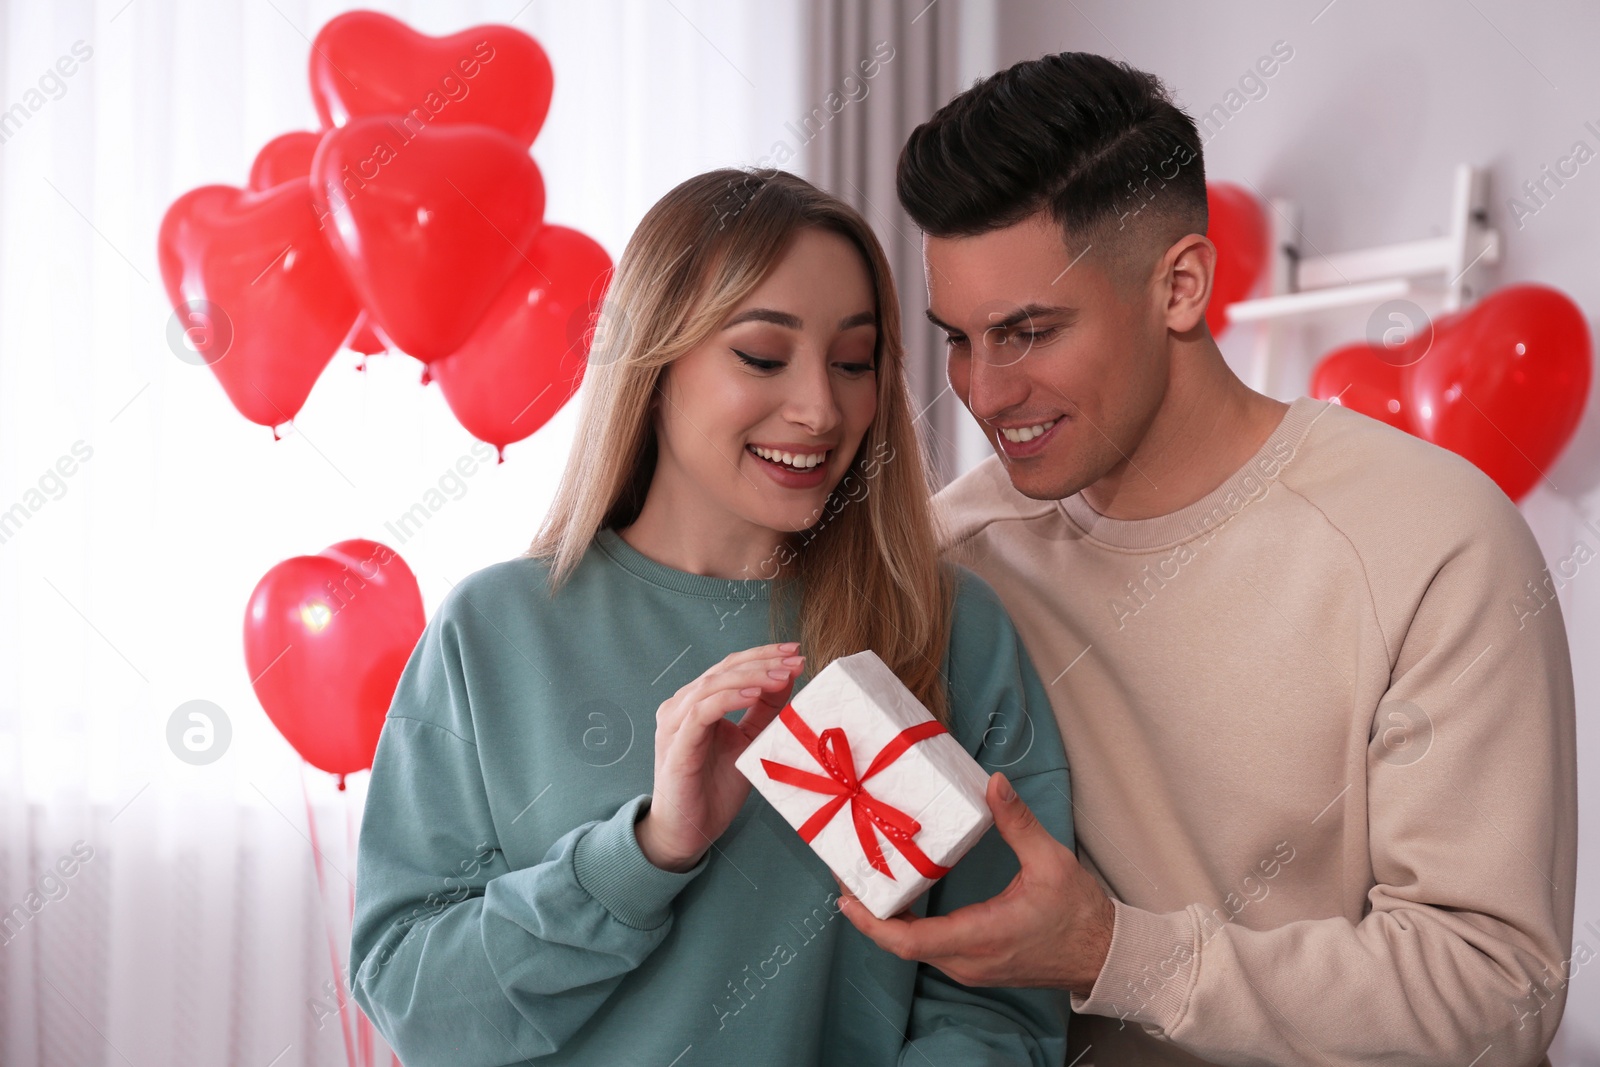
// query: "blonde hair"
[[867, 571]]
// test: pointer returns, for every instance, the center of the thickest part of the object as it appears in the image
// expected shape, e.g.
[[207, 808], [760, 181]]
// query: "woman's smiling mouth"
[[793, 459], [794, 467]]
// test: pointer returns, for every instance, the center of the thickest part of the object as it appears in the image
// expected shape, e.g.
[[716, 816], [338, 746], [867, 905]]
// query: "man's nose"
[[993, 386]]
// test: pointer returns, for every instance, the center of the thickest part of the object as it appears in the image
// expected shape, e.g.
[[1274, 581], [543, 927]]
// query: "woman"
[[744, 502]]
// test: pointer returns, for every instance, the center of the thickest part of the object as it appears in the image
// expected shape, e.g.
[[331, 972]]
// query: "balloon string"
[[322, 898], [363, 1023]]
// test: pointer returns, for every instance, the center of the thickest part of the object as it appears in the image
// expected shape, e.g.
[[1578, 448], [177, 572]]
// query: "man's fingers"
[[1018, 825], [889, 934], [956, 934], [911, 938]]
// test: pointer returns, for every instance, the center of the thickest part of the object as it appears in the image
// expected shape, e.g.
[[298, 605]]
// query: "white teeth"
[[797, 460], [1028, 433]]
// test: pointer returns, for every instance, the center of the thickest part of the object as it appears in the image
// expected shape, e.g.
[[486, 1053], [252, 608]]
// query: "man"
[[1321, 736]]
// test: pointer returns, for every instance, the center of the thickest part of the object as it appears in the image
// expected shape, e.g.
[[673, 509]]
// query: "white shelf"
[[1443, 272]]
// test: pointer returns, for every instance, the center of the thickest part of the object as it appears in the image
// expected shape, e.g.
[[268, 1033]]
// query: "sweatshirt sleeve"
[[1002, 716], [454, 956], [1463, 953]]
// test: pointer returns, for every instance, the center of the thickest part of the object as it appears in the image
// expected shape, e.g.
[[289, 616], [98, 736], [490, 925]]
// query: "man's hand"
[[1050, 927]]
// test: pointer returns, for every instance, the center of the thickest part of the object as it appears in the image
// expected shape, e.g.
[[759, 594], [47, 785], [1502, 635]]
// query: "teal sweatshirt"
[[505, 913]]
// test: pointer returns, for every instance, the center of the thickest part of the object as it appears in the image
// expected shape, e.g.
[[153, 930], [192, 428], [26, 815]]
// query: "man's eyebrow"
[[783, 318], [1022, 314]]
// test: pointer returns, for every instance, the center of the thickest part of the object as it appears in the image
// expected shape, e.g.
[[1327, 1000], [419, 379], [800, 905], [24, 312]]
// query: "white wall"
[[1362, 127]]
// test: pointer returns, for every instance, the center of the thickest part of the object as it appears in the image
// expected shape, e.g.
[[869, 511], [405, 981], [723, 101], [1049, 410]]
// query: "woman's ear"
[[656, 394], [1190, 265]]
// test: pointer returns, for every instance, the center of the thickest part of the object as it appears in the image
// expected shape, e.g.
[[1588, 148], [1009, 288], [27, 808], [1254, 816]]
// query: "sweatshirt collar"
[[641, 566], [1246, 485]]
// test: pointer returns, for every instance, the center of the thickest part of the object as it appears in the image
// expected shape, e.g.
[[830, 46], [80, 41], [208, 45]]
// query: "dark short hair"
[[1094, 142]]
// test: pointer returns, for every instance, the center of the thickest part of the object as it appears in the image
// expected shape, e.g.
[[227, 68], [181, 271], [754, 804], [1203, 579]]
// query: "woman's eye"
[[856, 368], [759, 364]]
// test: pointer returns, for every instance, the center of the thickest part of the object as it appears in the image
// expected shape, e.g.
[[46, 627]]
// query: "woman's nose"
[[812, 403]]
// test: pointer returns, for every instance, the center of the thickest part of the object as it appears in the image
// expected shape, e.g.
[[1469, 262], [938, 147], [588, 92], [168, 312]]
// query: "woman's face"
[[760, 423]]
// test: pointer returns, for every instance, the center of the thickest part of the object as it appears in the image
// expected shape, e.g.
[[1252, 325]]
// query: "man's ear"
[[1189, 265]]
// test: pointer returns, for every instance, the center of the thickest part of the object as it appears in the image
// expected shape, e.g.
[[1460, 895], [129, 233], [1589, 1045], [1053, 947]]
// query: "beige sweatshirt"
[[1321, 735]]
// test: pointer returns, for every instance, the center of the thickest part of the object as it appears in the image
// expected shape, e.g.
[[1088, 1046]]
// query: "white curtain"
[[163, 913], [874, 70]]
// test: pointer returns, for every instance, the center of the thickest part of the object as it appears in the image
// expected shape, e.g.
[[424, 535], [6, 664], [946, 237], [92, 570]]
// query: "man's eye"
[[954, 340], [759, 364], [1033, 337]]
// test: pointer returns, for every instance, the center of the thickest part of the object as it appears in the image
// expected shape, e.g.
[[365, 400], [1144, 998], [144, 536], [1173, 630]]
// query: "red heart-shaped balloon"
[[284, 158], [527, 357], [1358, 377], [429, 225], [326, 638], [1238, 227], [1505, 383], [364, 63], [277, 303], [364, 339]]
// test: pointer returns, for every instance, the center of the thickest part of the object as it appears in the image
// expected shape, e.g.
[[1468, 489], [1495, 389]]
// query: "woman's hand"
[[698, 790]]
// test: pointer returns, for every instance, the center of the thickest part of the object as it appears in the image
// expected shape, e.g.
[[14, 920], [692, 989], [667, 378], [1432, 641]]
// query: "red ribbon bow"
[[832, 753]]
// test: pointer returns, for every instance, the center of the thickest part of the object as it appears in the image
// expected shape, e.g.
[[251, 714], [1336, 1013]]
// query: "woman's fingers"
[[699, 725], [695, 742], [764, 710], [775, 653], [686, 750], [763, 673], [760, 654], [781, 665], [759, 717]]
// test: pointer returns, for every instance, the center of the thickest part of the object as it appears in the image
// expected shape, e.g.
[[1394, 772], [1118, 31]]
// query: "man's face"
[[1038, 338]]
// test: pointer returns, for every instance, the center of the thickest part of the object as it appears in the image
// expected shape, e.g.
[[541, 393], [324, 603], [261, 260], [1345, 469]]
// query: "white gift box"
[[908, 786]]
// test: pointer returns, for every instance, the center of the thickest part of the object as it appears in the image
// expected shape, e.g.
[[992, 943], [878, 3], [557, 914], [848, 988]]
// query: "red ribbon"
[[832, 753]]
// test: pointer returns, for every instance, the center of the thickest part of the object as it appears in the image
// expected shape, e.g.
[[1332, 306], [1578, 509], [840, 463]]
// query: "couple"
[[1322, 795]]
